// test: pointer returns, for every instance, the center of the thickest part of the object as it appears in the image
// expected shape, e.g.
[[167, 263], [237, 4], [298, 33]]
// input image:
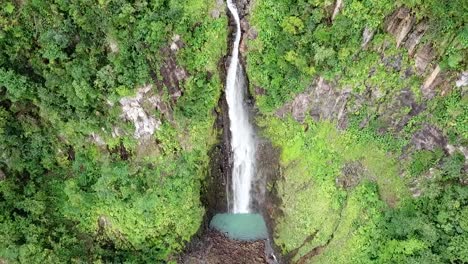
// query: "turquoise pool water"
[[246, 227]]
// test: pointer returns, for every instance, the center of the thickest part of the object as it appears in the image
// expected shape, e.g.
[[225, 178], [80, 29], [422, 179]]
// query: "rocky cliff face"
[[380, 106], [328, 100]]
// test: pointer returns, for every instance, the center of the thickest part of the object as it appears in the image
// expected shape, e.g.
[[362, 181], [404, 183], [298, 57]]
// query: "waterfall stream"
[[243, 143]]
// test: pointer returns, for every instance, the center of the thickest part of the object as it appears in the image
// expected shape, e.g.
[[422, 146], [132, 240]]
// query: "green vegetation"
[[363, 194], [344, 193], [299, 42], [64, 66], [77, 185]]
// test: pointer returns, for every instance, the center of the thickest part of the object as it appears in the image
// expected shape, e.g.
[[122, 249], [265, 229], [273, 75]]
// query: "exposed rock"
[[176, 43], [415, 37], [322, 101], [417, 185], [259, 90], [338, 7], [328, 103], [216, 248], [219, 7], [428, 138], [248, 32], [464, 150], [423, 58], [172, 74], [252, 33], [463, 80], [97, 139], [393, 62], [396, 112], [351, 175], [114, 48], [2, 175], [431, 82], [367, 36], [451, 149], [399, 24], [117, 132], [243, 7], [133, 111], [103, 223], [215, 13], [300, 107]]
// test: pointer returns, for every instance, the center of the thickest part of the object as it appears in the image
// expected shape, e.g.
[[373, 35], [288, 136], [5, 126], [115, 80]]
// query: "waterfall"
[[242, 134]]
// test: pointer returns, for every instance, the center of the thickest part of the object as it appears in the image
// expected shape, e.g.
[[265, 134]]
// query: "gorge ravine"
[[243, 143]]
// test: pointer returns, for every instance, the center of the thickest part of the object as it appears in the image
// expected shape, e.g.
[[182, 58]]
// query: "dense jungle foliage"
[[77, 186], [70, 190], [365, 193]]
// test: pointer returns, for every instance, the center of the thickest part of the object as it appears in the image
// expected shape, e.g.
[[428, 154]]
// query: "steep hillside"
[[367, 101], [106, 120]]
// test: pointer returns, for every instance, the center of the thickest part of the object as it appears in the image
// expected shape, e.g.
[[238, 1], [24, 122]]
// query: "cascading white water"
[[242, 133]]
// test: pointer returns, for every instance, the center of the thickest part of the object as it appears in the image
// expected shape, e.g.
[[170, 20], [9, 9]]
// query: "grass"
[[311, 200]]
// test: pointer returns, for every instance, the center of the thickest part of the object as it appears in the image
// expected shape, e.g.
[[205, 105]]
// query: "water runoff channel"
[[241, 222]]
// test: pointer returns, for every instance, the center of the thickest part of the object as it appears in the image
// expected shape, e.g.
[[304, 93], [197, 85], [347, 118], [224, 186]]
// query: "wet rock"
[[216, 248], [463, 79], [338, 7], [428, 138], [415, 37], [367, 36], [243, 7], [248, 32], [423, 58], [399, 24]]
